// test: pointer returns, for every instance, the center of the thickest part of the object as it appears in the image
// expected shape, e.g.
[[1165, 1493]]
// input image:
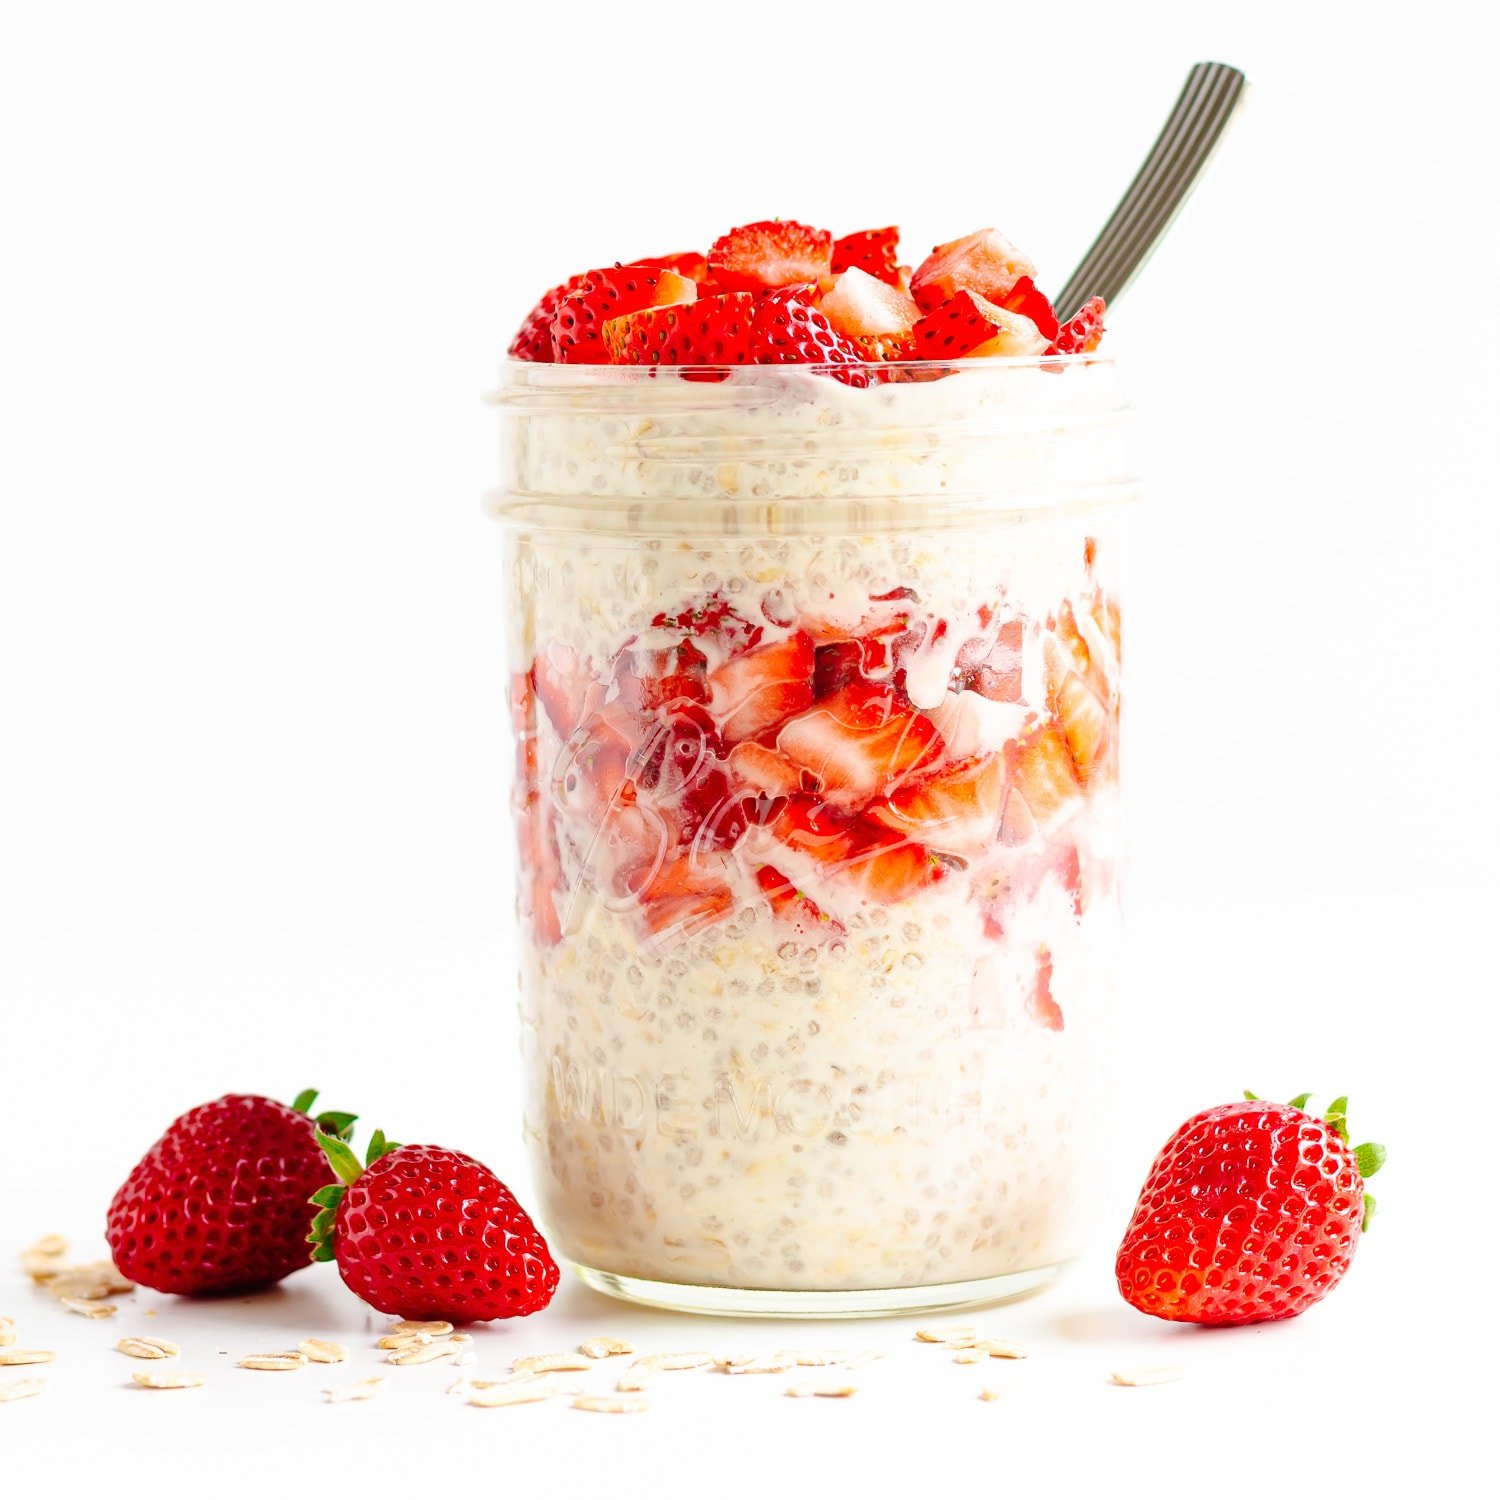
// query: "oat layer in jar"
[[816, 703]]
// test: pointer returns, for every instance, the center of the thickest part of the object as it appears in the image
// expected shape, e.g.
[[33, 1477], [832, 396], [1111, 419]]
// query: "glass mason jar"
[[816, 702]]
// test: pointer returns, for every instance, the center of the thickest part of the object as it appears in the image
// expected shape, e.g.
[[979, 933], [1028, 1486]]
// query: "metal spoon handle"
[[1209, 100]]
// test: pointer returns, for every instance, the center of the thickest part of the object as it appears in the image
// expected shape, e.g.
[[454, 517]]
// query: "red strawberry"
[[1082, 332], [1025, 298], [789, 905], [886, 867], [578, 328], [710, 331], [686, 895], [755, 692], [1085, 722], [1042, 1007], [770, 253], [956, 809], [858, 744], [838, 664], [1251, 1212], [686, 263], [788, 330], [814, 829], [1043, 775], [220, 1202], [422, 1232], [533, 340], [766, 771], [861, 307], [872, 251], [566, 686], [992, 668], [652, 677], [984, 263], [969, 325]]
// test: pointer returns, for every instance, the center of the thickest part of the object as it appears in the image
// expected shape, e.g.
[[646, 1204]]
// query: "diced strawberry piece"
[[578, 328], [1044, 775], [884, 348], [969, 325], [857, 745], [1105, 614], [652, 677], [813, 829], [886, 867], [1026, 298], [956, 809], [789, 905], [630, 843], [872, 251], [1082, 332], [770, 253], [996, 674], [686, 263], [708, 331], [599, 765], [686, 895], [1079, 656], [764, 770], [566, 686], [788, 330], [838, 665], [985, 263], [1039, 1003], [860, 306], [754, 692], [1085, 722], [533, 340]]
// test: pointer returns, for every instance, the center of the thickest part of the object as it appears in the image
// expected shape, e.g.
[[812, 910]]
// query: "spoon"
[[1210, 99]]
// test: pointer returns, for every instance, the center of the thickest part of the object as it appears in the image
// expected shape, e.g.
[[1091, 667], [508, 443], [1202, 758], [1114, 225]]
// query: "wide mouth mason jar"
[[816, 695]]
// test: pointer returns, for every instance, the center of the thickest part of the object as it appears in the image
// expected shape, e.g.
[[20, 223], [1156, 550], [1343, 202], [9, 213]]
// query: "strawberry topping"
[[578, 328], [1082, 332], [872, 251], [770, 253]]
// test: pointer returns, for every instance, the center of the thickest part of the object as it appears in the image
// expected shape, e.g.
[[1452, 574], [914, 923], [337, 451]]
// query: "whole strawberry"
[[423, 1232], [220, 1202], [1251, 1213]]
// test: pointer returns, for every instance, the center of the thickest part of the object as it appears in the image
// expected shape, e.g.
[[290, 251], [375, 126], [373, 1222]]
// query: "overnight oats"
[[815, 638]]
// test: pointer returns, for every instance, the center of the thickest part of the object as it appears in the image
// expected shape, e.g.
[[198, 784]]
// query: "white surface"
[[258, 263]]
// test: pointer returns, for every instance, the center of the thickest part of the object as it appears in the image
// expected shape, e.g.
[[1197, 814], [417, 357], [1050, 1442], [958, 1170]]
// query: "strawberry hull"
[[822, 784]]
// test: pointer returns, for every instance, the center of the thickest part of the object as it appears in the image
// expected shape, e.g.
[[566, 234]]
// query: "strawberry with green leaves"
[[1252, 1212], [424, 1232]]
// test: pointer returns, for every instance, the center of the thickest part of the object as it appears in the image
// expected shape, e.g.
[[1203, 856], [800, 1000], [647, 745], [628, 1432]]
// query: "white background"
[[257, 264]]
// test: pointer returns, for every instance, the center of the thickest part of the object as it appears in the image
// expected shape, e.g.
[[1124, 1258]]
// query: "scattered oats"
[[610, 1403], [148, 1348], [26, 1356], [89, 1309], [512, 1393], [1000, 1349], [694, 1359], [433, 1327], [1147, 1375], [970, 1357], [462, 1338], [811, 1357], [635, 1379], [863, 1358], [963, 1341], [41, 1267], [769, 1364], [403, 1340], [524, 1378], [821, 1390], [989, 1394], [424, 1354], [50, 1244], [360, 1390], [943, 1335], [7, 1332], [323, 1351], [92, 1282], [604, 1348], [166, 1380], [291, 1360], [19, 1390], [541, 1364]]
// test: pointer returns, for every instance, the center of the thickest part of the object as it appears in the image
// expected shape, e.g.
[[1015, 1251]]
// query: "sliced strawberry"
[[754, 692], [886, 867], [789, 905], [630, 844], [872, 251], [884, 348], [652, 677], [838, 664], [811, 828], [956, 809], [1027, 299], [770, 253], [708, 331], [578, 328], [1082, 332], [1044, 775], [860, 306], [1039, 1003], [1085, 722], [764, 770], [788, 330], [969, 325], [599, 765], [533, 340], [686, 895], [566, 685], [686, 263], [985, 263], [996, 673], [857, 746]]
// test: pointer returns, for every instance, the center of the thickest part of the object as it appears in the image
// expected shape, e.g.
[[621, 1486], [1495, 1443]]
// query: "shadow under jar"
[[816, 702]]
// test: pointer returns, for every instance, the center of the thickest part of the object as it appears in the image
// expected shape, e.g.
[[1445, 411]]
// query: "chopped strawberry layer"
[[754, 692]]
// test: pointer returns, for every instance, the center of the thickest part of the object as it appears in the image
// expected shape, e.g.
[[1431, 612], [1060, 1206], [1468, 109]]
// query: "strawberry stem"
[[346, 1165]]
